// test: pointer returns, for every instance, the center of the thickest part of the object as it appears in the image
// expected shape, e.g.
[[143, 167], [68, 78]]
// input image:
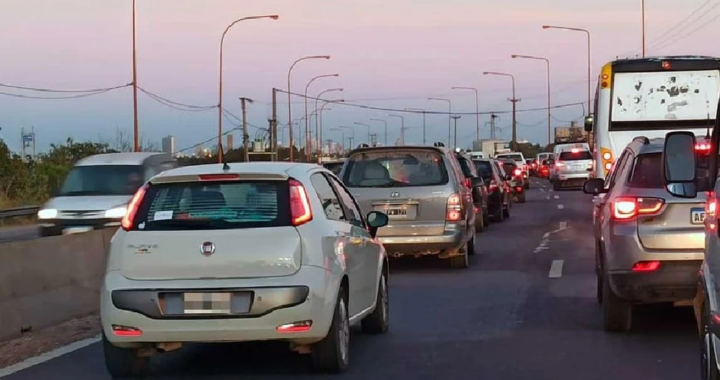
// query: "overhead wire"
[[80, 95]]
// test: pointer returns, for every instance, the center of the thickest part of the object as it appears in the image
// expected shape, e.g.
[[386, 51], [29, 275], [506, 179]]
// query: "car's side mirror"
[[679, 163], [375, 220], [594, 186], [589, 120], [477, 182]]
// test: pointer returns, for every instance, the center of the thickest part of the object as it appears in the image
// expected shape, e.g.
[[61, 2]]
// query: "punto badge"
[[395, 194]]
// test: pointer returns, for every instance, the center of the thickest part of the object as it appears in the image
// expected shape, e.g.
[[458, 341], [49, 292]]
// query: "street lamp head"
[[486, 72], [546, 26], [514, 56], [325, 56], [274, 17]]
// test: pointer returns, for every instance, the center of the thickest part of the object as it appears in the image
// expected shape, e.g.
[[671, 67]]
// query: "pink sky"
[[389, 53]]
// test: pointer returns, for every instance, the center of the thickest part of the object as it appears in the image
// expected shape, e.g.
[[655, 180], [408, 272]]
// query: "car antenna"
[[225, 167]]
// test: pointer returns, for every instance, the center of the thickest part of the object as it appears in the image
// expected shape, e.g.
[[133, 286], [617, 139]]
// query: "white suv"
[[243, 252]]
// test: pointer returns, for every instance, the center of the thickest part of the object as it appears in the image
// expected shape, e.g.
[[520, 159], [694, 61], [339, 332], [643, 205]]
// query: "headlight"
[[117, 212], [48, 213]]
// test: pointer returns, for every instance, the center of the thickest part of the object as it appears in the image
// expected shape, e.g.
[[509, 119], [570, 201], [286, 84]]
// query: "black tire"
[[462, 261], [617, 313], [499, 214], [379, 321], [480, 222], [49, 231], [556, 186], [527, 185], [486, 217], [708, 368], [506, 211], [123, 363], [332, 354], [598, 275], [522, 198]]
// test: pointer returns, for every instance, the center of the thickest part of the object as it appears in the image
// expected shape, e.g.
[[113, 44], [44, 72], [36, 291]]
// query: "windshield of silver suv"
[[395, 168], [514, 157], [102, 180]]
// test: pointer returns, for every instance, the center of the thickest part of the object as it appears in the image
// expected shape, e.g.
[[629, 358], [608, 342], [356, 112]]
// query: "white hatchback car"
[[243, 252]]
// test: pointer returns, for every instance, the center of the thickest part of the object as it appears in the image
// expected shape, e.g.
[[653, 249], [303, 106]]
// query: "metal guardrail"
[[19, 211]]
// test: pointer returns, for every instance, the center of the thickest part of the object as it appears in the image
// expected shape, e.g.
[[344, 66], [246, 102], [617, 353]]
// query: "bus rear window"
[[214, 205]]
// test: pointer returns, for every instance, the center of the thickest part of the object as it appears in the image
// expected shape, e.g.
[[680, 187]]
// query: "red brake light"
[[129, 218], [626, 208], [575, 150], [646, 266], [454, 208], [710, 204], [518, 172], [300, 211], [468, 182], [703, 147], [219, 177], [296, 327], [126, 331]]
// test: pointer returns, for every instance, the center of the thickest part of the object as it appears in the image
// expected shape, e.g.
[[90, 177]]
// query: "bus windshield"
[[663, 96]]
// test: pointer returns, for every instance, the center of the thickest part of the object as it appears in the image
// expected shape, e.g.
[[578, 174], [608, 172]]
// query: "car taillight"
[[702, 146], [646, 266], [710, 204], [493, 185], [454, 208], [132, 209], [468, 182], [518, 172], [300, 212], [626, 208]]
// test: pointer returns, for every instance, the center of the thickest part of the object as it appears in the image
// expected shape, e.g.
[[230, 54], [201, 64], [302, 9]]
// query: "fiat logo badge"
[[207, 248]]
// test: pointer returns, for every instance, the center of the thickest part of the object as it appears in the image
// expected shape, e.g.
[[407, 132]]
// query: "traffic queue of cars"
[[288, 252]]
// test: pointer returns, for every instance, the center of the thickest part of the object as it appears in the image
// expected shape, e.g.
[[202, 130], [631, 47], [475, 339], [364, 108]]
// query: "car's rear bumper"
[[673, 281], [310, 295], [446, 244]]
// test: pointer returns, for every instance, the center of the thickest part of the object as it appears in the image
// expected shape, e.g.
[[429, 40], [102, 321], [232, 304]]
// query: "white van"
[[559, 148], [97, 189]]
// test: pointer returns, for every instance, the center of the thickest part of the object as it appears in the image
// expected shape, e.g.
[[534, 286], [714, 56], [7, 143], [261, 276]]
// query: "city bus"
[[651, 97]]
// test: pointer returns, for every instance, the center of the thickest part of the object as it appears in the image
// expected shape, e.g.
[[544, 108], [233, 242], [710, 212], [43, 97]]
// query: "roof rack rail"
[[642, 139], [438, 144]]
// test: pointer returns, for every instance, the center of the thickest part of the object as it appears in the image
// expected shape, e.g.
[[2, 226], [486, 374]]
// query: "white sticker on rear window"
[[163, 215]]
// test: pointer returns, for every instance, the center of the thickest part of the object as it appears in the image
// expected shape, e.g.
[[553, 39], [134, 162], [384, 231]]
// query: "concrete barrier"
[[50, 280]]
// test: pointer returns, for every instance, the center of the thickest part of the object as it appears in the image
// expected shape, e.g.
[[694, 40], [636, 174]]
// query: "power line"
[[64, 97], [175, 105], [348, 104], [688, 34], [37, 89]]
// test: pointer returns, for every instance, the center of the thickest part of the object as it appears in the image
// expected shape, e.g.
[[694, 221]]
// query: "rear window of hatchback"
[[214, 205], [395, 168]]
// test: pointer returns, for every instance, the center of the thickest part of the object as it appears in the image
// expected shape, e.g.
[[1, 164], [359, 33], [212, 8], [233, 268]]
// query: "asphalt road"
[[16, 233], [504, 318]]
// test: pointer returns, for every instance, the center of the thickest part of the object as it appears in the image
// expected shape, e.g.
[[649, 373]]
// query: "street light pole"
[[352, 130], [246, 135], [220, 75], [317, 128], [514, 101], [320, 132], [291, 141], [449, 115], [477, 108], [368, 127], [307, 128], [402, 128], [547, 62], [643, 28], [456, 117], [385, 123], [589, 62], [423, 113]]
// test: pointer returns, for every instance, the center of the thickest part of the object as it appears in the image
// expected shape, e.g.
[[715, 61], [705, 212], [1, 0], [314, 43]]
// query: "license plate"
[[396, 212], [207, 303], [697, 216], [76, 230]]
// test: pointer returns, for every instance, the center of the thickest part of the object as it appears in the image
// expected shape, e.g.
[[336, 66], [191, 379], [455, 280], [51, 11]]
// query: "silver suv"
[[423, 191], [571, 168], [648, 243]]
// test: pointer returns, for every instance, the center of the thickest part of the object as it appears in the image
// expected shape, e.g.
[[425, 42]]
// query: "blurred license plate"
[[398, 212], [697, 216], [207, 303], [76, 230]]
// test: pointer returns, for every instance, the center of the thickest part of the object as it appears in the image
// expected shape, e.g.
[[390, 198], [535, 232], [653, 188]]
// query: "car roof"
[[439, 149], [276, 169], [130, 158]]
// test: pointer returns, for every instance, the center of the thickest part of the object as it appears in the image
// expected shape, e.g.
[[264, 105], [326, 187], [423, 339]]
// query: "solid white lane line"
[[563, 225], [556, 269], [556, 196], [56, 353], [542, 190], [561, 207]]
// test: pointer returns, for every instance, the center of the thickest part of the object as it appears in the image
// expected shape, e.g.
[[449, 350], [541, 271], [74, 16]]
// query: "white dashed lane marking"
[[56, 353], [556, 269], [556, 196], [561, 207]]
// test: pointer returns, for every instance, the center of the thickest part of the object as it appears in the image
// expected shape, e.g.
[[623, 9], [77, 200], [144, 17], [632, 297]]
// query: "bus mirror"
[[678, 164], [589, 123]]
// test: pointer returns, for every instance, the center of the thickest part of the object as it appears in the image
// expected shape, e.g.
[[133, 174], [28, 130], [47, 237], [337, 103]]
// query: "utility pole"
[[514, 101], [136, 138], [273, 129], [246, 136], [643, 30], [456, 117], [351, 142]]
